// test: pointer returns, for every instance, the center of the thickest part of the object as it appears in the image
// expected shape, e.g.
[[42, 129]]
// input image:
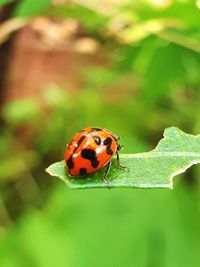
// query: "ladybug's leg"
[[108, 166], [118, 162]]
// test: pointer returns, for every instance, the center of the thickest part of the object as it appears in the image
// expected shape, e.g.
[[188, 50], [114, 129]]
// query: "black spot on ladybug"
[[91, 155], [70, 163], [97, 140], [83, 171], [95, 129], [107, 142], [79, 142]]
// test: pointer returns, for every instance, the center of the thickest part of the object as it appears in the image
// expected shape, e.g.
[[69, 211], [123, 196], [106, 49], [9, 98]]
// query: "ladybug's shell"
[[89, 150]]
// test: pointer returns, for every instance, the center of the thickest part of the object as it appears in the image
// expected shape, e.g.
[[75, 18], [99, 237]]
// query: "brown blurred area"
[[47, 51]]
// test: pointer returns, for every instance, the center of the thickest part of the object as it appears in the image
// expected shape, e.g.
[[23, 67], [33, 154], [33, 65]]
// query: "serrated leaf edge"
[[194, 162], [52, 174]]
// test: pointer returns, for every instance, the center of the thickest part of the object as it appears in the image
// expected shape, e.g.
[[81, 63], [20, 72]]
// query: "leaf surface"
[[173, 155]]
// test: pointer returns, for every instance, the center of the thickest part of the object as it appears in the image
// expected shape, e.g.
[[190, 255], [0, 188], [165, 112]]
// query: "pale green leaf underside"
[[175, 153]]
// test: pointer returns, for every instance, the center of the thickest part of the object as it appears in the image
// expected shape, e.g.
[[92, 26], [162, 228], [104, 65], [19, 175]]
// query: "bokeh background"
[[130, 66]]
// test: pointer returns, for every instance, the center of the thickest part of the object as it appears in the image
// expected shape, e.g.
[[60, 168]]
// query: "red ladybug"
[[89, 150]]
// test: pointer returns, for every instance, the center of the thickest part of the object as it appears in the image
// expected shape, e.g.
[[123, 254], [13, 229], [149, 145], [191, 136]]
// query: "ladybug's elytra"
[[89, 150]]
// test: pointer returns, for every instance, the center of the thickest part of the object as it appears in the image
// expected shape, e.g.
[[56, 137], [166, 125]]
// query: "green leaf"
[[170, 74], [29, 8], [174, 154]]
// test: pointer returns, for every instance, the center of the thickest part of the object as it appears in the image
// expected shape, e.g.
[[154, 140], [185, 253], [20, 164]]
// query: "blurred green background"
[[130, 66]]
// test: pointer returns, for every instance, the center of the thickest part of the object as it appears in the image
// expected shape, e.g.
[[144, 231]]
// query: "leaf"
[[170, 74], [29, 8], [174, 154]]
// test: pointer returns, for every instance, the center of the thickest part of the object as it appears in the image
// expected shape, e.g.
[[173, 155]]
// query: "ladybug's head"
[[119, 147]]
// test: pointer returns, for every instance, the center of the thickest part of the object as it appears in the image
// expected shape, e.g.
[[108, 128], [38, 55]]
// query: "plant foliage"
[[174, 154]]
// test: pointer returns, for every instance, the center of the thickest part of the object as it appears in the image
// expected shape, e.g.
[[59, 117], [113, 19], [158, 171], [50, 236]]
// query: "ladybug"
[[91, 149]]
